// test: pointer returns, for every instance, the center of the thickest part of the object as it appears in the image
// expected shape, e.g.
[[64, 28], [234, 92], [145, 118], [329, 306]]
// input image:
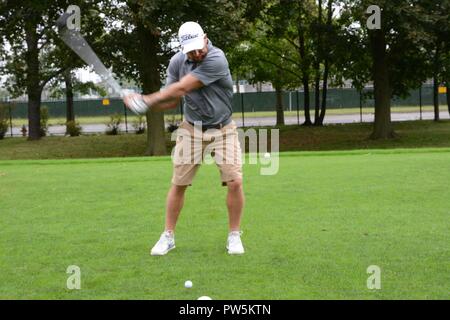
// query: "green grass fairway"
[[310, 232]]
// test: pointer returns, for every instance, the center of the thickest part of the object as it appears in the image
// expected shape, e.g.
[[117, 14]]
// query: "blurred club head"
[[61, 23]]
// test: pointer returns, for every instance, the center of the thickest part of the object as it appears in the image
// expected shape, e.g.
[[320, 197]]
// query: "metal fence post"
[[420, 101], [126, 120], [360, 106], [242, 109], [290, 101], [298, 112], [10, 120]]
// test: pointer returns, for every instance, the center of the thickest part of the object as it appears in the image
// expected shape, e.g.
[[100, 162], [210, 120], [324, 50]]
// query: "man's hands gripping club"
[[135, 102]]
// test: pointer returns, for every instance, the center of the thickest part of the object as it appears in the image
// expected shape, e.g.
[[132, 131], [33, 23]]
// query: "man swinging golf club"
[[200, 73]]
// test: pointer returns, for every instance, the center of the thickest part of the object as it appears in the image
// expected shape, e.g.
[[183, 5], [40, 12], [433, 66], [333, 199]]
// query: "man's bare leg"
[[174, 204], [235, 203], [175, 200]]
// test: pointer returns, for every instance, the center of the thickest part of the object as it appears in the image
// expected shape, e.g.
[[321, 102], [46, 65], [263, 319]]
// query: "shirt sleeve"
[[212, 69], [172, 74]]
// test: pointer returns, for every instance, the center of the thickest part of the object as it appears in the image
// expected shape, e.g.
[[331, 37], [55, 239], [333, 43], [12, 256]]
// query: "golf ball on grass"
[[267, 155], [188, 284]]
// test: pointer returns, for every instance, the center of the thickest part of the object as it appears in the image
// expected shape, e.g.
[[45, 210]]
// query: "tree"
[[436, 22], [317, 60], [305, 59], [267, 57], [326, 33], [22, 26], [301, 25], [34, 55], [392, 50], [292, 21]]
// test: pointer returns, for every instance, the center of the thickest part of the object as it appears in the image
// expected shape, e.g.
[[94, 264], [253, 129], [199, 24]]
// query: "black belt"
[[212, 126]]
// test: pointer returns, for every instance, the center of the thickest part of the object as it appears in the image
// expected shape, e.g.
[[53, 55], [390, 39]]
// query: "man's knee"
[[179, 189], [234, 185]]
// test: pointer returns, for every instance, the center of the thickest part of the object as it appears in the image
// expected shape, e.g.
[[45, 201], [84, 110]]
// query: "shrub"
[[44, 121], [73, 128], [139, 124], [114, 124]]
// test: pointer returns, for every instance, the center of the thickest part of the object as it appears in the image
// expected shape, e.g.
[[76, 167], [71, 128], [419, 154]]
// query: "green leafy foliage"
[[411, 29], [73, 128], [44, 121], [114, 124], [139, 124]]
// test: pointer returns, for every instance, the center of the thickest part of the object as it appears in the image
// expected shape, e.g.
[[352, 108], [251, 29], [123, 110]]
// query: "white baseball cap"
[[191, 36]]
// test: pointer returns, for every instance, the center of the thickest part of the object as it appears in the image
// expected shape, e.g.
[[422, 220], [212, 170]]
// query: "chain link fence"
[[254, 108]]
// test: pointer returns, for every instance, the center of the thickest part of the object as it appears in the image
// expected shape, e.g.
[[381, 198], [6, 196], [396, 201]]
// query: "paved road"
[[347, 118], [261, 121]]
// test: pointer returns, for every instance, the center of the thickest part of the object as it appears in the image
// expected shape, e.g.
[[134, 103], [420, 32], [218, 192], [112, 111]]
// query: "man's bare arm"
[[170, 96], [172, 104]]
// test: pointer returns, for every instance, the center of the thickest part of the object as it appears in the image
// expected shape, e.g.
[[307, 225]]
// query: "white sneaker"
[[234, 243], [165, 243]]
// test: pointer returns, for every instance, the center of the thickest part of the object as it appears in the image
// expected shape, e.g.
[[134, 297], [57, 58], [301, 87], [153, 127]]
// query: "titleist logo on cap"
[[187, 37]]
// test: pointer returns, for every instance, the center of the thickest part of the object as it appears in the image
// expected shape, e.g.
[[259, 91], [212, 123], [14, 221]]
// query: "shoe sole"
[[235, 252], [163, 253]]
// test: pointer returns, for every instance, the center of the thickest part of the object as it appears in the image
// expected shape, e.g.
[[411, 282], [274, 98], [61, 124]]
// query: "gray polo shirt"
[[210, 104]]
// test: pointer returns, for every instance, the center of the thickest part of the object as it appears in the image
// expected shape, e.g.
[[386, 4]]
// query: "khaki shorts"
[[193, 146]]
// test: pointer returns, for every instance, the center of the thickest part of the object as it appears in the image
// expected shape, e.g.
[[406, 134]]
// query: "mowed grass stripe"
[[411, 135], [248, 156]]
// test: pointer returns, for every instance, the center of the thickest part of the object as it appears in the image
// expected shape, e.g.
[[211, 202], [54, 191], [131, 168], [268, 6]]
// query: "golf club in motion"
[[75, 41]]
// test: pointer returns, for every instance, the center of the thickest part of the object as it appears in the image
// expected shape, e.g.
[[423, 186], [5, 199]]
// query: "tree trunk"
[[436, 82], [305, 72], [317, 95], [327, 65], [436, 97], [382, 126], [34, 113], [279, 106], [317, 68], [324, 93], [70, 115], [306, 101], [149, 75], [34, 89]]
